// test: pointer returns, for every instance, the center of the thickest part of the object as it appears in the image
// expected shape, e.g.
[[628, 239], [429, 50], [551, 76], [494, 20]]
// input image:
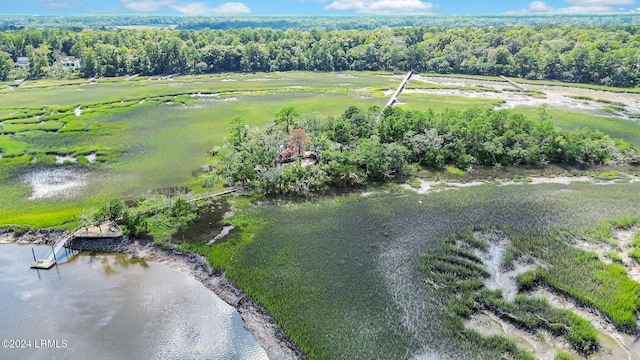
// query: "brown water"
[[113, 307]]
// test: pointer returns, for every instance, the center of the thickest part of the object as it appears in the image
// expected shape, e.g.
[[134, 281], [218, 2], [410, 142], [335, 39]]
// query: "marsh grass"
[[583, 276], [341, 275], [635, 250], [616, 128], [456, 270], [439, 103], [152, 134]]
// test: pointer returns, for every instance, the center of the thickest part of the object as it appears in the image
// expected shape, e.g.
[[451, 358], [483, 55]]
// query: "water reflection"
[[114, 307]]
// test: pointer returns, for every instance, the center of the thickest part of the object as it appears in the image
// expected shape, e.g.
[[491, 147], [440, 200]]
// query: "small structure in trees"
[[70, 63], [297, 143]]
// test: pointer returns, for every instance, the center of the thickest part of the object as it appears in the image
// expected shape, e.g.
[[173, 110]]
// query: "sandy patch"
[[500, 278], [61, 159], [229, 99], [56, 183], [91, 158], [201, 95], [427, 186]]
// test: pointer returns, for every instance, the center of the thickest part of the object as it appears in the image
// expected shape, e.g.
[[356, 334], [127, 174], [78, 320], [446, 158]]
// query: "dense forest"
[[608, 55], [362, 146], [311, 22]]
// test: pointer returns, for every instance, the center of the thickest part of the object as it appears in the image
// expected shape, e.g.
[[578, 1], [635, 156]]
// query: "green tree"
[[6, 64], [239, 131], [287, 117]]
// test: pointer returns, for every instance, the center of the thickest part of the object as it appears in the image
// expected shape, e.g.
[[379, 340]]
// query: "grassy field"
[[147, 134], [439, 103], [342, 275]]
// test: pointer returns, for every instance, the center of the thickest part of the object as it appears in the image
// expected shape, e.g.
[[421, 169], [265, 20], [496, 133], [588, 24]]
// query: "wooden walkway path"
[[514, 84], [398, 91]]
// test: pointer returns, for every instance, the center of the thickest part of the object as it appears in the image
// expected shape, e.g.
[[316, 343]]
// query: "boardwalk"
[[394, 98], [514, 84]]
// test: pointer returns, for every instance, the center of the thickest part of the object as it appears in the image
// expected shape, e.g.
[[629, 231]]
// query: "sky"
[[313, 7]]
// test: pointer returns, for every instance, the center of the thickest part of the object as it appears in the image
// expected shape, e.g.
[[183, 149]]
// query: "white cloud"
[[540, 6], [578, 6], [192, 8], [382, 6], [145, 5], [200, 8]]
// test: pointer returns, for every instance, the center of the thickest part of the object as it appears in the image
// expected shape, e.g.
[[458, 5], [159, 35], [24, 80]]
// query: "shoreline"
[[257, 319]]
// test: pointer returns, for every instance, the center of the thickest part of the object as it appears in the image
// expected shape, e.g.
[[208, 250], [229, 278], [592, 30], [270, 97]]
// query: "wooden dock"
[[106, 230]]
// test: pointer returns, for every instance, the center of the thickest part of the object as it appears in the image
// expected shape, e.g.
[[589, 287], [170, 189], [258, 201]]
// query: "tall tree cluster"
[[362, 146], [607, 55]]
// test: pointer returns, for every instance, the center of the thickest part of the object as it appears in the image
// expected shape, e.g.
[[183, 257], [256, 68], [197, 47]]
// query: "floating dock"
[[43, 264]]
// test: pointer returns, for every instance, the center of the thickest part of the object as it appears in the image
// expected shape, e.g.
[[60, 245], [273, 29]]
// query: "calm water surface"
[[113, 307]]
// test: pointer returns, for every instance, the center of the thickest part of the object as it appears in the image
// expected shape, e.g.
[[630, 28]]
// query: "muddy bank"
[[256, 319]]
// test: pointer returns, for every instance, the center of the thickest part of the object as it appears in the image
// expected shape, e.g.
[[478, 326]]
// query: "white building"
[[70, 63], [21, 62]]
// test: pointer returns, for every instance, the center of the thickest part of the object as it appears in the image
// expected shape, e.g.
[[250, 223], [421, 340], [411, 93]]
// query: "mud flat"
[[613, 343], [562, 97], [505, 280], [543, 344], [427, 186]]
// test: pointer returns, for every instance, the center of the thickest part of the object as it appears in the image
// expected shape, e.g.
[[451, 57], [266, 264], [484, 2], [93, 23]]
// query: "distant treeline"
[[607, 55], [311, 22]]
